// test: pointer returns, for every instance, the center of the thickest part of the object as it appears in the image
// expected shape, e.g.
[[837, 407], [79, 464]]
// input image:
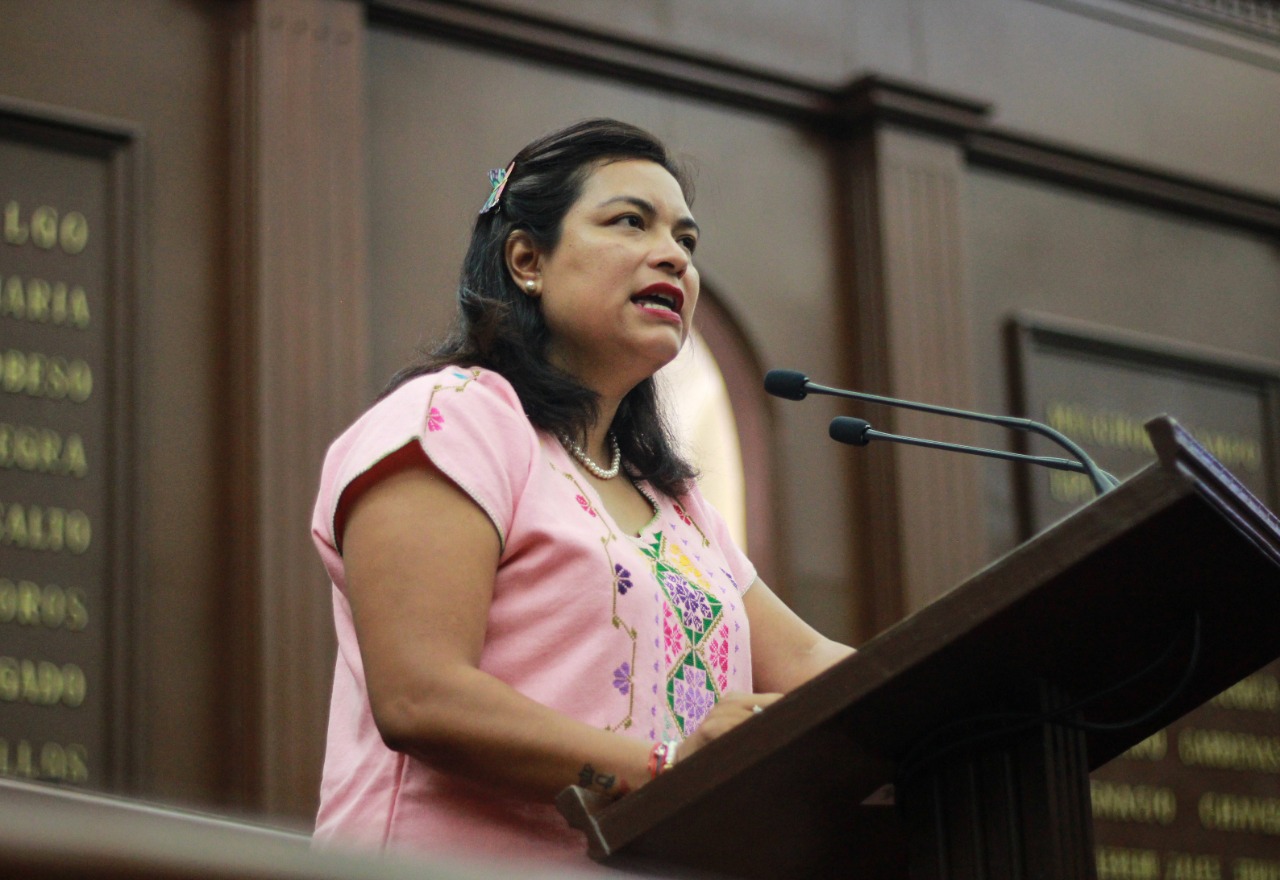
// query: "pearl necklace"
[[595, 470]]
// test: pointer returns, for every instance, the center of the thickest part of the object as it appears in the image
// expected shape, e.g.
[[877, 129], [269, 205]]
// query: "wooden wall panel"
[[895, 215], [158, 67], [299, 369], [1047, 248], [920, 512]]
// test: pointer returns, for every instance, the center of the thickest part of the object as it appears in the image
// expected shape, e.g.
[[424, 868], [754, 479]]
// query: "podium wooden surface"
[[51, 832], [1116, 621]]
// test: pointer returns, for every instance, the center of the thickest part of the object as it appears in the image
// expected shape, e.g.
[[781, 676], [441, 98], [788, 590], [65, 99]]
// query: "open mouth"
[[661, 296]]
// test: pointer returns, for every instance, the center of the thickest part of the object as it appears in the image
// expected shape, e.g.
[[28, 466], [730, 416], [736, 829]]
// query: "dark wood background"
[[884, 185]]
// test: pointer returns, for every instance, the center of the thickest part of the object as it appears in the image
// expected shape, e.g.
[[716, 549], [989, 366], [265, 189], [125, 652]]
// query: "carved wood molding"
[[614, 56], [298, 365], [1139, 184], [1258, 17], [837, 111], [874, 100]]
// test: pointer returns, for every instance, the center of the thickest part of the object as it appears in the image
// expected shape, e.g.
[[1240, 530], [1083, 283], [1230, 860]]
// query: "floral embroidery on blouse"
[[672, 635], [693, 668], [688, 520], [718, 657], [620, 583], [435, 418], [622, 678], [696, 639]]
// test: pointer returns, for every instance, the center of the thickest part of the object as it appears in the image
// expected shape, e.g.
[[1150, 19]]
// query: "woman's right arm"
[[420, 560]]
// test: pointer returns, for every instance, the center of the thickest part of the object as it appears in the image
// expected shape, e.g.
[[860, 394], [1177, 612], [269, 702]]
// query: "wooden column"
[[1005, 806], [920, 514], [298, 372]]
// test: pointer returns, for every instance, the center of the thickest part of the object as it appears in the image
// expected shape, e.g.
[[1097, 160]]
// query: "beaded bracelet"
[[661, 757]]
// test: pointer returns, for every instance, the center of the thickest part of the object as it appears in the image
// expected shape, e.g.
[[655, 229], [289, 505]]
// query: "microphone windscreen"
[[788, 384], [847, 429]]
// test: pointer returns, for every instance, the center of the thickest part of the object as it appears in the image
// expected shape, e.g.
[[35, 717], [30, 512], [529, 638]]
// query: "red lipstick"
[[662, 296]]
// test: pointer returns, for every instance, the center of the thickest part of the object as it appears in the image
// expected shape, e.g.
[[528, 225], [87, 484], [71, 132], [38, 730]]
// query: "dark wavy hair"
[[500, 328]]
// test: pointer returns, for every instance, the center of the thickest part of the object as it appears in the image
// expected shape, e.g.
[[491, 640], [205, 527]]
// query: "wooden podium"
[[982, 714]]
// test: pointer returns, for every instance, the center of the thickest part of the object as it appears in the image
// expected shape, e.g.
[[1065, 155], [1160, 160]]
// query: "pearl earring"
[[531, 285]]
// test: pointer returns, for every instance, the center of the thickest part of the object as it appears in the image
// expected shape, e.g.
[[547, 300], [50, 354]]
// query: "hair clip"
[[498, 178]]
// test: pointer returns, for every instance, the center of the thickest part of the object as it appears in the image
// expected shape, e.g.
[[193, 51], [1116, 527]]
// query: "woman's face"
[[619, 290]]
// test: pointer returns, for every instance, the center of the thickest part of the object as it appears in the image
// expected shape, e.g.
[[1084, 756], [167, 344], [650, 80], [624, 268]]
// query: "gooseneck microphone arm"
[[794, 385], [858, 432]]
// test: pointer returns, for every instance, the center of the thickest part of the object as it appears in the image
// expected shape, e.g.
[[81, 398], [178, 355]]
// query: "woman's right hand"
[[732, 709]]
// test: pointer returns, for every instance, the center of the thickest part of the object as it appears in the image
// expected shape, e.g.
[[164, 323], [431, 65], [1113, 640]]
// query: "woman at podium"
[[529, 590]]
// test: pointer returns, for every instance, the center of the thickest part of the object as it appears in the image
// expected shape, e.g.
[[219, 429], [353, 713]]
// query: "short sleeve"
[[716, 530], [467, 422]]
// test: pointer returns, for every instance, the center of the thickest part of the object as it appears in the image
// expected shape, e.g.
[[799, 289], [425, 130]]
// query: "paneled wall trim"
[[1252, 16], [528, 36], [298, 367], [1247, 31], [920, 523], [835, 111]]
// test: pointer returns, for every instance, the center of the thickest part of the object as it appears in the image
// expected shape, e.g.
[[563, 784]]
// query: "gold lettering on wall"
[[27, 603], [51, 529], [41, 682], [45, 229], [42, 451], [1069, 487], [65, 287], [1255, 869], [1185, 866], [50, 761], [40, 302], [1229, 750], [1257, 693], [36, 375], [1098, 427], [1153, 748], [1122, 802], [1110, 429], [1123, 863], [1241, 813]]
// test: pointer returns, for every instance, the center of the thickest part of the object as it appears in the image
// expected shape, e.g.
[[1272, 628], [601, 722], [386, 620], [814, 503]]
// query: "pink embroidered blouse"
[[637, 634]]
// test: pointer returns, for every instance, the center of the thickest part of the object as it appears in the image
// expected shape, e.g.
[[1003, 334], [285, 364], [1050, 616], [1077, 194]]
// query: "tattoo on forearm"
[[605, 783]]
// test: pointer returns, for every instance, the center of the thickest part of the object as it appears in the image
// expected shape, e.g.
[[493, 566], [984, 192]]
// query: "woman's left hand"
[[732, 709]]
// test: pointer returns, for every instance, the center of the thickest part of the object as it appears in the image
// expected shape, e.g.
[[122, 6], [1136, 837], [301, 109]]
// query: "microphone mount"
[[793, 385], [858, 432]]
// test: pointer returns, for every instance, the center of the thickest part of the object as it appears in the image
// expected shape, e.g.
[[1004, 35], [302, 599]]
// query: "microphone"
[[794, 385], [858, 432], [787, 384]]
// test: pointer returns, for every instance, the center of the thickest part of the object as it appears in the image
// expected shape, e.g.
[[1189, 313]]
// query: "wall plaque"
[[1200, 799], [66, 239]]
